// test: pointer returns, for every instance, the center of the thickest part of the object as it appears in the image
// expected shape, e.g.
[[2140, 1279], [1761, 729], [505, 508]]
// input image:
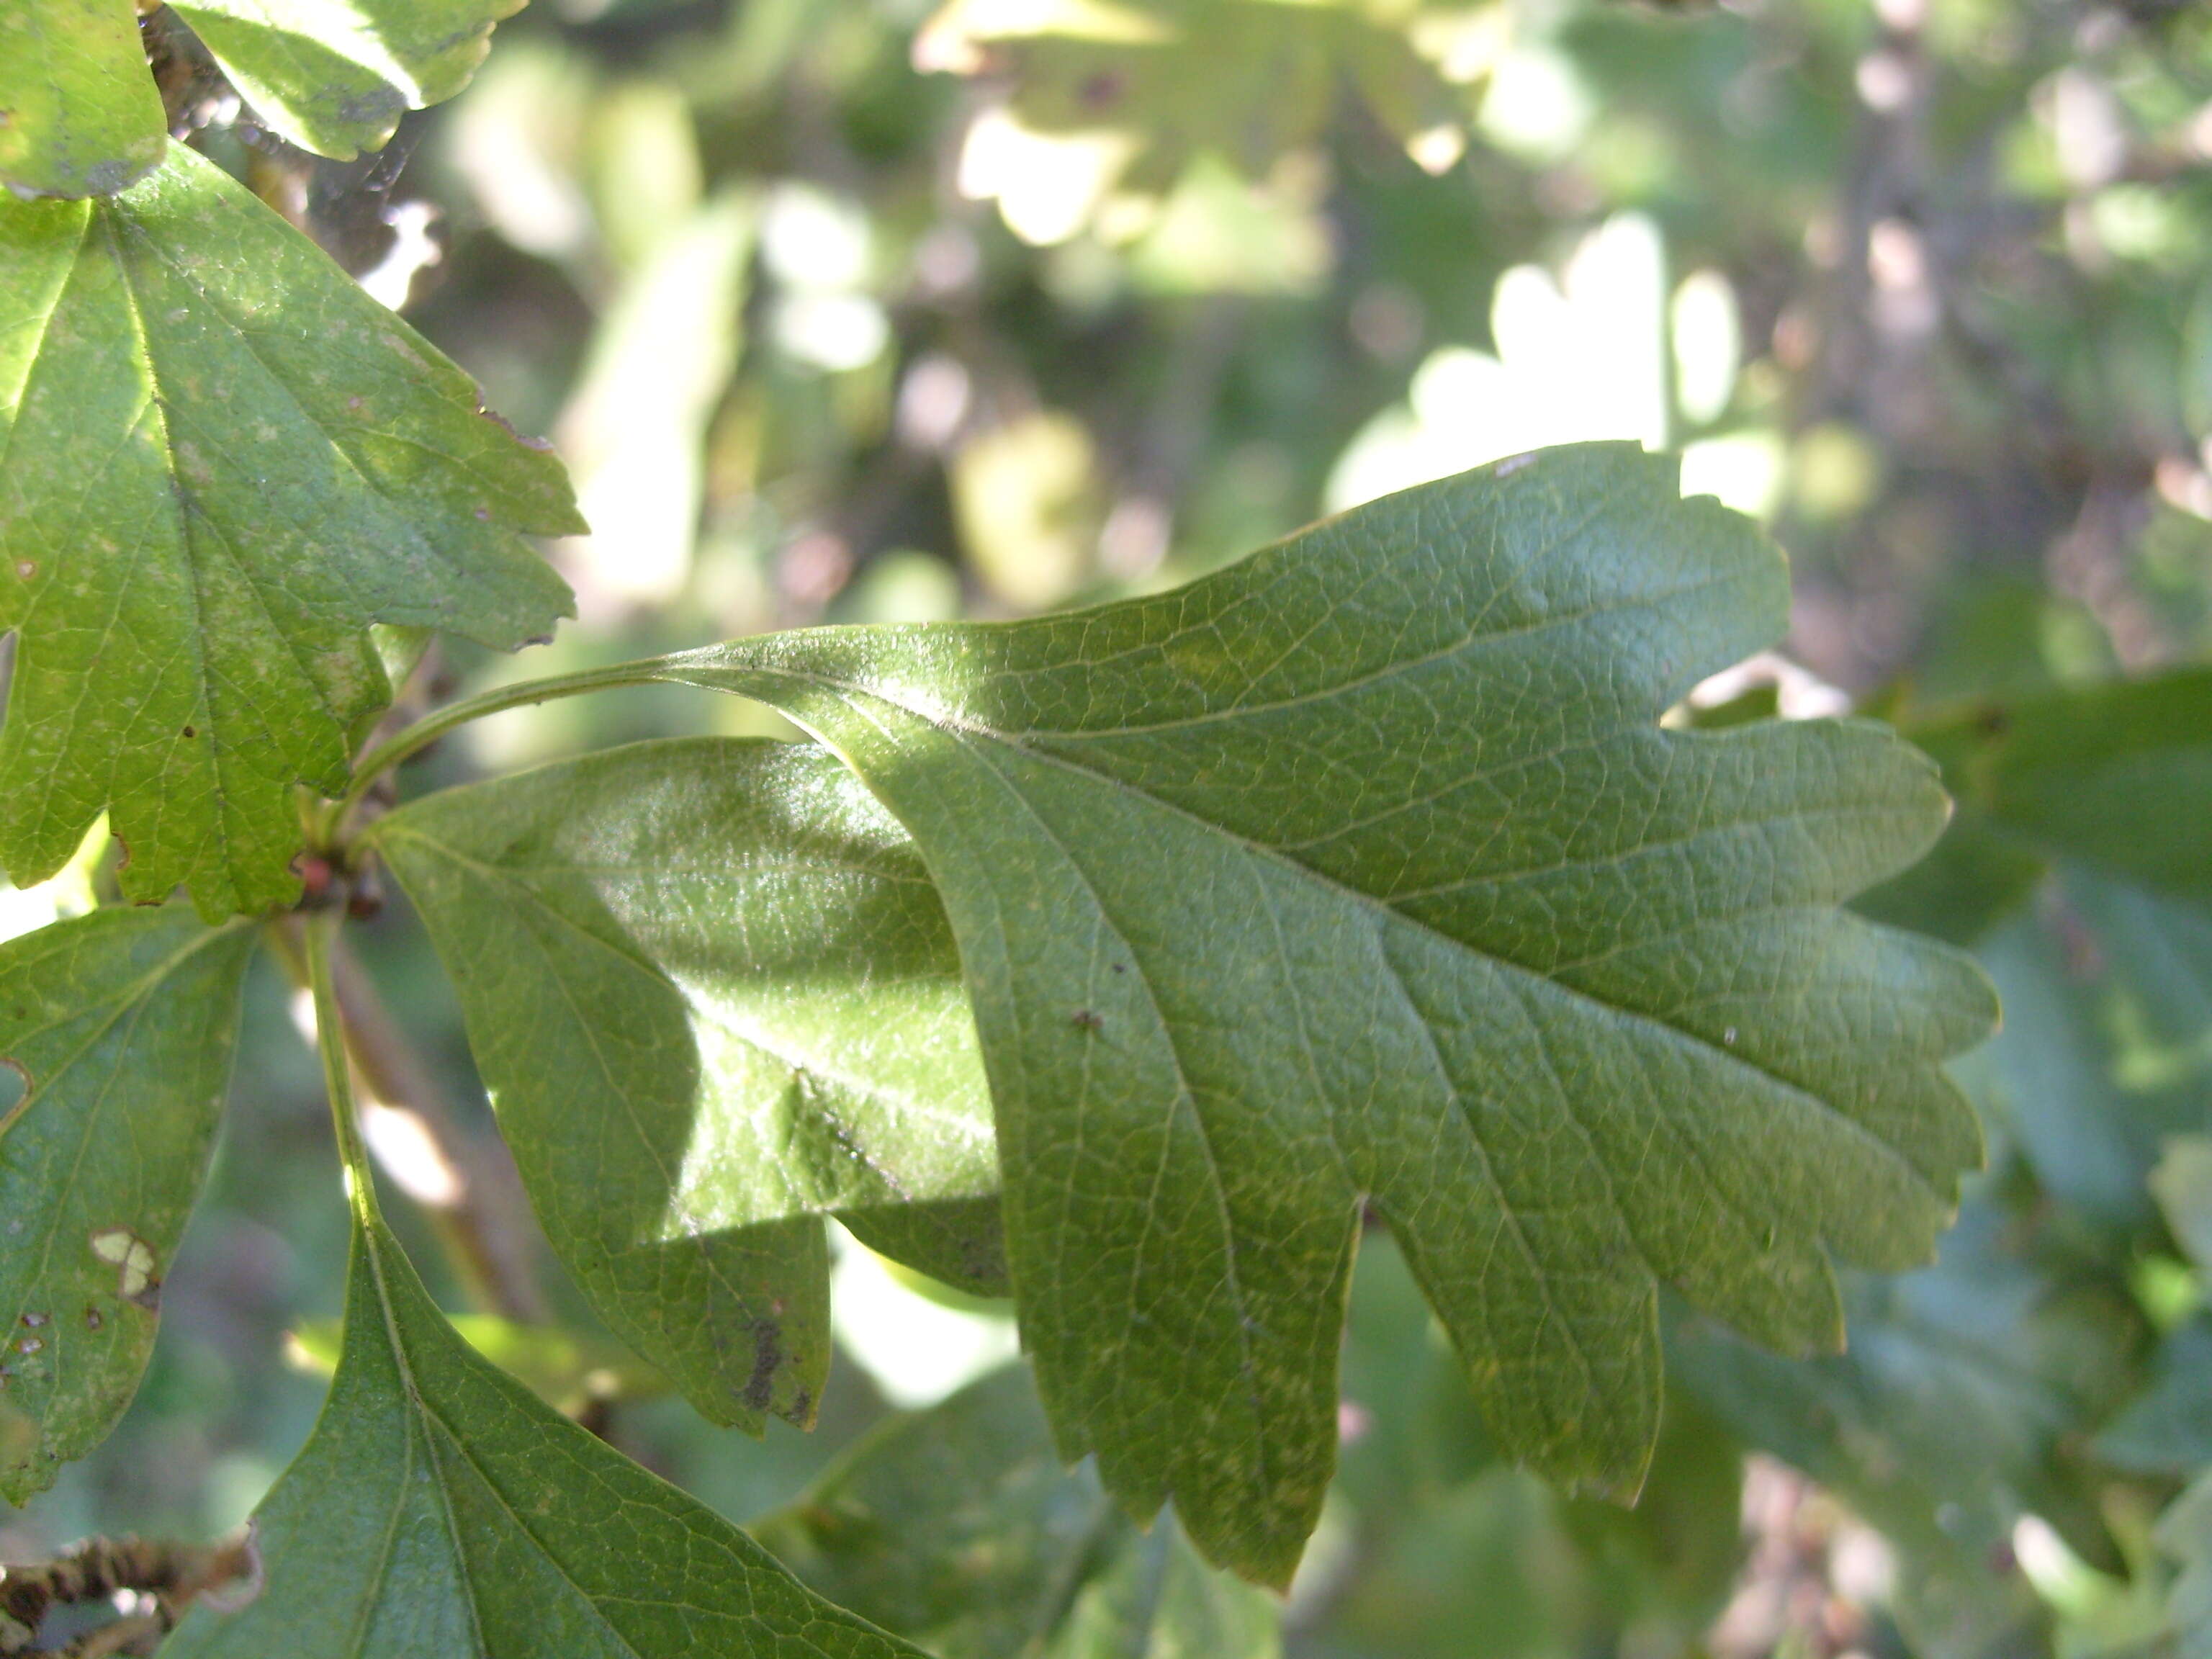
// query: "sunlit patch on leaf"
[[220, 463]]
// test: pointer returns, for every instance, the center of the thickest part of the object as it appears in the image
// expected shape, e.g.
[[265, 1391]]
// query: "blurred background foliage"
[[869, 310]]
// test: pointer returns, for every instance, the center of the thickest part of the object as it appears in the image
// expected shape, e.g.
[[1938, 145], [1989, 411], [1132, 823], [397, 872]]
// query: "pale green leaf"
[[335, 75], [714, 996], [441, 1510], [79, 113], [958, 1528], [122, 1023], [1363, 871], [220, 462]]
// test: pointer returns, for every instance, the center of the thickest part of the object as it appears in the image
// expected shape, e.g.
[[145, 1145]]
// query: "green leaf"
[[1363, 870], [124, 1022], [220, 462], [441, 1510], [2116, 776], [714, 996], [1244, 81], [2167, 1428], [2092, 801], [79, 113], [335, 75], [2184, 1533], [958, 1528]]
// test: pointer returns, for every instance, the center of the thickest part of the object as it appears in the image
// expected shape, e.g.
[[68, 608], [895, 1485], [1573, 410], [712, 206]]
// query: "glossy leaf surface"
[[714, 996], [220, 462], [124, 1022], [1362, 872]]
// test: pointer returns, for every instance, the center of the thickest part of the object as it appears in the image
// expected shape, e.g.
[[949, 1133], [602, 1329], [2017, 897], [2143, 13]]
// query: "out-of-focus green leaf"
[[1026, 495], [2083, 1079], [79, 114], [2096, 803], [567, 1370], [958, 1528], [1243, 80], [1364, 869], [1412, 1432], [635, 429], [2183, 1184], [2167, 1428], [1962, 1404], [2118, 776], [441, 1509], [122, 1024], [1505, 1565], [714, 996], [2184, 1533], [220, 462], [335, 75]]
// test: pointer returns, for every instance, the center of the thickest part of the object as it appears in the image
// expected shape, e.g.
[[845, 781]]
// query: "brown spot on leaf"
[[33, 1321], [767, 1356], [93, 1321]]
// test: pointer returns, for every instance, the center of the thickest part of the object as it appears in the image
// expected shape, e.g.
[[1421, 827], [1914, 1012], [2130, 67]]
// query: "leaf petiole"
[[411, 741], [321, 937]]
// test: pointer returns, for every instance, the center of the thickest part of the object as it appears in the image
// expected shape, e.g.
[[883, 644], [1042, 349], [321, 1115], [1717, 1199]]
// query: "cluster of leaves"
[[1135, 962]]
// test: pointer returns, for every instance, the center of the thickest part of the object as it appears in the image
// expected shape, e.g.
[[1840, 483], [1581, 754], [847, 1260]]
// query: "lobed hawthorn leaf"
[[441, 1509], [124, 1022], [957, 1527], [1362, 872], [79, 113], [220, 463], [714, 997]]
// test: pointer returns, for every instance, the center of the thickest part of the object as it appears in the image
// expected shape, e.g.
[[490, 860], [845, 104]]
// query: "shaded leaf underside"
[[714, 996]]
